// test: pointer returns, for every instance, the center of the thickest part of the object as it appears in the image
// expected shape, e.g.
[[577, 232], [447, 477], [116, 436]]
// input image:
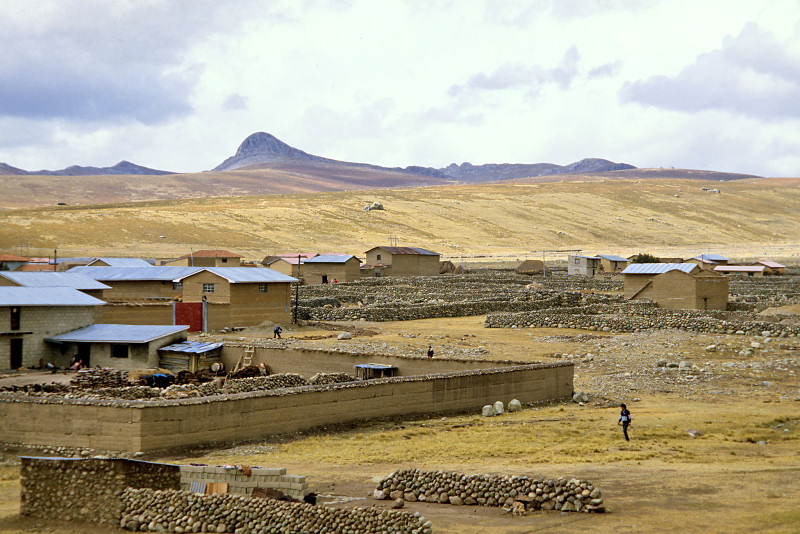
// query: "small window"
[[15, 317], [262, 287], [177, 286], [119, 351], [208, 288], [577, 261], [379, 257], [224, 260]]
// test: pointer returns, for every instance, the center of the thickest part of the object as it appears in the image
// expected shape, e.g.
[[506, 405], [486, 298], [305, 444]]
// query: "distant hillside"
[[123, 167], [466, 172]]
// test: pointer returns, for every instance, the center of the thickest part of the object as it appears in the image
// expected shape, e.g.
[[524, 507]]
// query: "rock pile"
[[147, 510], [100, 377], [330, 378], [283, 380], [567, 495]]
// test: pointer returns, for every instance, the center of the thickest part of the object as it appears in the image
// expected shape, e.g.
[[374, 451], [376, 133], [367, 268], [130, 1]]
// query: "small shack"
[[610, 263], [583, 265], [328, 268], [772, 267], [530, 267], [743, 270], [189, 356], [366, 371]]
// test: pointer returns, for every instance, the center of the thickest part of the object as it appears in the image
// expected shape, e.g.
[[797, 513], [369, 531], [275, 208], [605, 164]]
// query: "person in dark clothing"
[[430, 351], [624, 420], [277, 332]]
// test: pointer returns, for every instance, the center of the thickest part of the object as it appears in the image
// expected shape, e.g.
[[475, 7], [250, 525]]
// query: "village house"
[[707, 262], [676, 286], [743, 270], [118, 262], [65, 264], [120, 346], [207, 258], [637, 277], [401, 261], [329, 268], [772, 267], [28, 315], [583, 265], [80, 282], [610, 263], [12, 262], [287, 263], [206, 298]]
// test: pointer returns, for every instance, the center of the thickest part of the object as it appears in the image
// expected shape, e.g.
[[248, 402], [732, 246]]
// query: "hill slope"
[[612, 216]]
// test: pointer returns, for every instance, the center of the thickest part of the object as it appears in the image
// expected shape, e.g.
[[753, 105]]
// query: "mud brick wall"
[[243, 484], [88, 489]]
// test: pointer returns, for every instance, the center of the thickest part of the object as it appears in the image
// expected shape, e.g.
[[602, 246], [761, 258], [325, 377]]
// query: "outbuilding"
[[119, 262], [743, 270], [329, 268], [583, 265], [77, 281], [611, 263], [207, 258], [772, 267], [401, 261], [638, 277]]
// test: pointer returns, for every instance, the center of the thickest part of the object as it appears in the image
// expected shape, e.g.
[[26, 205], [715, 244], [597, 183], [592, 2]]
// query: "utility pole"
[[297, 290]]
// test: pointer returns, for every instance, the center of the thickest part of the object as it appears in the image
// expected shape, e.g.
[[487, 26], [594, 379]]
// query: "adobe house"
[[583, 265], [530, 267], [12, 262], [121, 346], [118, 262], [743, 270], [77, 281], [638, 277], [707, 262], [28, 315], [610, 263], [207, 258], [281, 265], [138, 283], [772, 267], [329, 267], [402, 261], [699, 290], [65, 264]]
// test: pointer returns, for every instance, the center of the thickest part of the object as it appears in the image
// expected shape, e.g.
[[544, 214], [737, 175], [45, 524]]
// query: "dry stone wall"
[[87, 489], [566, 495], [148, 510]]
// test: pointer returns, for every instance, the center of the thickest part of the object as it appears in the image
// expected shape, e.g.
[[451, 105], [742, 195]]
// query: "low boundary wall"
[[131, 426]]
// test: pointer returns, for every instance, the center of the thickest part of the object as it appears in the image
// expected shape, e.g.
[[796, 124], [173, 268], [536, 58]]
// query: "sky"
[[177, 85]]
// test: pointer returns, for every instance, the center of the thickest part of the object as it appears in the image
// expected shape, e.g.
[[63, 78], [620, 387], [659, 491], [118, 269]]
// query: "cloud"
[[752, 75], [515, 75], [235, 102], [608, 70]]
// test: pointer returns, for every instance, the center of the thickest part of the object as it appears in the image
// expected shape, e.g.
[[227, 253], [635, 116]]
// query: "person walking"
[[277, 332], [624, 420], [430, 351]]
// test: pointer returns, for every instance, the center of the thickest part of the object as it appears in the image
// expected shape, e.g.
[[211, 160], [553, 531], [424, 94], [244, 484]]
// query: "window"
[[15, 318], [208, 288], [177, 286], [262, 287], [379, 257], [119, 351], [224, 260], [577, 261]]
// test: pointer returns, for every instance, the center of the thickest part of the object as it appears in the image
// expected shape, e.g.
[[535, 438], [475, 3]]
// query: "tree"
[[644, 257]]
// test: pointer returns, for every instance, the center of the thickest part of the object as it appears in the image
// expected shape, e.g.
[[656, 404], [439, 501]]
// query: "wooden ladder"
[[246, 358]]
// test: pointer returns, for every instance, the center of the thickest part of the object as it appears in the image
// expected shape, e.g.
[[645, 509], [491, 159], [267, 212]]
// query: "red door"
[[190, 313]]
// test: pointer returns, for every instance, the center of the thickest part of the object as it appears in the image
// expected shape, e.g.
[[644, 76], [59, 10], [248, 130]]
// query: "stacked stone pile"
[[100, 377], [283, 380], [330, 378], [147, 510], [567, 495]]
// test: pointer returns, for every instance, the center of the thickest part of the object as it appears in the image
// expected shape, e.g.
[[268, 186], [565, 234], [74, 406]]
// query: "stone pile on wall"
[[567, 495], [283, 380], [330, 378], [100, 377], [181, 511], [87, 489]]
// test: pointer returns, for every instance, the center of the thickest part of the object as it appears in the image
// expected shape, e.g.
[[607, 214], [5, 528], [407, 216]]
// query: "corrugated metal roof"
[[121, 262], [587, 257], [330, 258], [611, 257], [243, 275], [191, 347], [712, 257], [740, 268], [12, 257], [165, 273], [658, 268], [53, 279], [46, 296], [70, 260], [772, 264], [118, 333], [210, 254], [407, 250]]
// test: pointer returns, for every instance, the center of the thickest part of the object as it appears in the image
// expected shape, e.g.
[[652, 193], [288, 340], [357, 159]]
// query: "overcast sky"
[[177, 85]]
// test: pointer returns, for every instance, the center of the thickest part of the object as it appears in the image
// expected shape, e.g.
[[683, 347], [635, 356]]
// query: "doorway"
[[16, 352], [84, 352]]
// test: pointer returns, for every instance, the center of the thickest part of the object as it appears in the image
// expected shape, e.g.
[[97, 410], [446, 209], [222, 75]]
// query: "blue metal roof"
[[587, 257], [46, 296], [62, 260], [241, 275], [658, 268], [330, 258], [191, 347], [612, 257], [53, 279], [121, 262], [712, 257], [165, 273], [118, 333]]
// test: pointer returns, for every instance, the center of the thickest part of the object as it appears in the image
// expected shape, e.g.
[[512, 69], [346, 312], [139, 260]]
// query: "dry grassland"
[[749, 218]]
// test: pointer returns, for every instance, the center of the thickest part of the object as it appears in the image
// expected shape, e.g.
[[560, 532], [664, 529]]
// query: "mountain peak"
[[262, 147]]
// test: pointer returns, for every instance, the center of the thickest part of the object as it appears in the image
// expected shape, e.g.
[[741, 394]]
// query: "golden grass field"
[[748, 218]]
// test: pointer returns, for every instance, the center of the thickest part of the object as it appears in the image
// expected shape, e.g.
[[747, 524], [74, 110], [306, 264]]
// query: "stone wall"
[[121, 425], [87, 489], [181, 511], [566, 495]]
